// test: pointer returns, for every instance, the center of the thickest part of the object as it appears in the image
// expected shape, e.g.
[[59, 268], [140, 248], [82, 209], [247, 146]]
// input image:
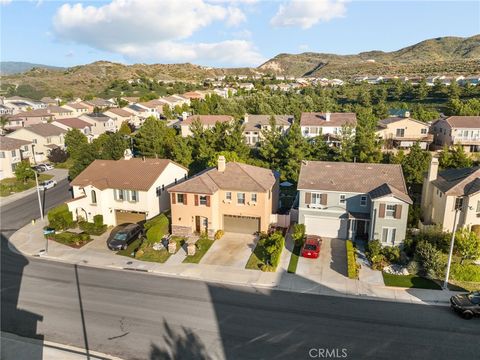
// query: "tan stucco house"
[[403, 132], [124, 191], [458, 130], [328, 125], [12, 151], [233, 197], [255, 124], [451, 189]]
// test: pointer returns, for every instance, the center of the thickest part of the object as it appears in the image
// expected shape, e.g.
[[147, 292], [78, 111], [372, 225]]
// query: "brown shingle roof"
[[385, 190], [120, 112], [77, 106], [133, 174], [336, 119], [349, 177], [45, 129], [236, 177], [458, 181], [256, 121], [394, 119], [34, 113], [207, 119], [463, 121], [7, 143], [75, 123]]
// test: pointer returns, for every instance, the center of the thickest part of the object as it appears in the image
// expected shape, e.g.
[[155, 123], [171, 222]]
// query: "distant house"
[[12, 151], [120, 115], [444, 192], [329, 125], [194, 95], [50, 101], [458, 130], [246, 86], [31, 117], [207, 121], [98, 103], [225, 92], [153, 107], [75, 123], [100, 123], [470, 80], [78, 108], [254, 124], [403, 133], [44, 137]]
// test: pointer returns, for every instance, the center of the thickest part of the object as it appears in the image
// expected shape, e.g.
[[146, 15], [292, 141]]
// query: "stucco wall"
[[378, 223]]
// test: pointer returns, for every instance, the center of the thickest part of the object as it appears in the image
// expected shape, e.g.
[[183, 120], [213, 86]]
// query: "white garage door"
[[327, 227]]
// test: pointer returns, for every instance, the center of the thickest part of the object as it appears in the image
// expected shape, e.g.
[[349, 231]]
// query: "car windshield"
[[310, 247], [120, 236], [474, 298]]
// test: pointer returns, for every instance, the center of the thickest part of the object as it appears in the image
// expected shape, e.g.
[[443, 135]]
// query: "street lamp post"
[[38, 194], [452, 242]]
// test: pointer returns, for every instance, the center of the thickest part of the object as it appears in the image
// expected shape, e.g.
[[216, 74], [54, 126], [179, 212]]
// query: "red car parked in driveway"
[[311, 247]]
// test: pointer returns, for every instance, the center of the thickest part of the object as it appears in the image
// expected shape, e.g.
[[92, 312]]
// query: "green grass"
[[65, 165], [147, 253], [202, 244], [465, 285], [12, 185], [292, 265], [131, 249], [409, 281], [72, 239]]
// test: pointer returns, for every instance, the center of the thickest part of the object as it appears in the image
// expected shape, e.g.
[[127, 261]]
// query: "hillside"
[[15, 67]]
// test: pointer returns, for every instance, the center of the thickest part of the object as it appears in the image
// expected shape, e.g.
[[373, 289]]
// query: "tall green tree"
[[270, 144], [294, 149], [23, 171], [345, 150], [367, 145], [114, 147], [415, 164], [74, 142], [89, 154], [454, 157], [125, 128], [154, 139]]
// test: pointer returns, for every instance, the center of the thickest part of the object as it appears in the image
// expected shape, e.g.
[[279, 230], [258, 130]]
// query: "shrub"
[[391, 253], [413, 267], [98, 220], [379, 262], [467, 244], [58, 155], [218, 235], [92, 228], [351, 260], [298, 234], [156, 228], [60, 218], [373, 249], [465, 272], [70, 238], [431, 259], [476, 230]]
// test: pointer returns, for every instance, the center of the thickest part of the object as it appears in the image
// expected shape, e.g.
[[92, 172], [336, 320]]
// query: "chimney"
[[245, 118], [433, 169], [127, 154], [327, 116], [407, 114], [221, 163]]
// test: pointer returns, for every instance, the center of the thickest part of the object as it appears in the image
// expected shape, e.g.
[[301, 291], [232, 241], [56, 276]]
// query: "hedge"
[[156, 228], [466, 272], [92, 228], [60, 218], [351, 260]]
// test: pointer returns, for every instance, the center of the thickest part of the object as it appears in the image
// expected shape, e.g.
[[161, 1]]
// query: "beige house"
[[207, 121], [12, 151], [78, 108], [329, 125], [44, 137], [254, 124], [451, 189], [461, 130], [100, 123], [120, 115], [75, 123], [403, 132], [124, 191], [233, 197]]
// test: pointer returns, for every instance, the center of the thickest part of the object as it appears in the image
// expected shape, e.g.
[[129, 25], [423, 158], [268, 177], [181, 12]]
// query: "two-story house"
[[128, 190], [207, 122], [120, 115], [233, 197], [254, 124], [100, 123], [12, 151], [403, 132], [446, 191], [75, 123], [458, 130], [78, 108], [328, 125], [353, 200], [44, 137]]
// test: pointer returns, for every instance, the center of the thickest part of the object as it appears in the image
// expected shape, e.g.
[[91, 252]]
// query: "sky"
[[220, 33]]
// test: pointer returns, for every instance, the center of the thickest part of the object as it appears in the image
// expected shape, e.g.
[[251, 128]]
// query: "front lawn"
[[72, 239], [266, 255], [148, 253], [12, 185], [409, 281], [131, 249], [202, 245], [292, 265]]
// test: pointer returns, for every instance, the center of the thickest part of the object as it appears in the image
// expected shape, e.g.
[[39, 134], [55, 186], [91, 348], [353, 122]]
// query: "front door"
[[360, 229], [197, 224]]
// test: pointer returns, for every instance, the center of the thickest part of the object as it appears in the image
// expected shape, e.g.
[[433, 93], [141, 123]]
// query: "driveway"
[[331, 265], [231, 250]]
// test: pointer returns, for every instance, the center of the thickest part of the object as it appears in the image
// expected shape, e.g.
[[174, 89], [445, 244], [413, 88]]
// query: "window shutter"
[[308, 198], [381, 211], [208, 201], [323, 199], [398, 211], [184, 199], [196, 200], [174, 200]]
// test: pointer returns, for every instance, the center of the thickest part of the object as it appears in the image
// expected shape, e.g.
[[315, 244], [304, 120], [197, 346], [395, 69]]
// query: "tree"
[[454, 157], [89, 154], [114, 147], [120, 102], [125, 128], [58, 155], [467, 244], [3, 122], [154, 139], [23, 171], [74, 142], [344, 151], [431, 259], [421, 90], [293, 150], [167, 112], [270, 144], [415, 164]]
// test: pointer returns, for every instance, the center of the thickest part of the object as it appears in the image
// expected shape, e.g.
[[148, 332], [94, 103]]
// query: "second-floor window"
[[363, 200], [94, 197], [180, 198], [400, 132], [49, 140], [478, 206], [158, 191], [390, 211], [343, 199], [228, 196], [254, 198], [458, 203], [14, 153], [241, 198], [133, 195], [120, 195], [423, 131], [316, 198], [2, 154], [203, 199]]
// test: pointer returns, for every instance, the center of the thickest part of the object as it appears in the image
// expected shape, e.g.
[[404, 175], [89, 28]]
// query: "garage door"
[[124, 217], [241, 224], [327, 227]]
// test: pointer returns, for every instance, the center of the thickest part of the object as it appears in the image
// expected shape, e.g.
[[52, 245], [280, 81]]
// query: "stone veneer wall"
[[181, 230]]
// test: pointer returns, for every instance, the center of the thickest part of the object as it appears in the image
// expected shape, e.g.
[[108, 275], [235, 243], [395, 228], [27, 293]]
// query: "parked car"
[[38, 168], [121, 238], [467, 305], [48, 184], [311, 247], [45, 167]]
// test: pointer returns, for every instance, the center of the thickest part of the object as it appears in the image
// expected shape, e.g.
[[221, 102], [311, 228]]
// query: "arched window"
[[94, 197]]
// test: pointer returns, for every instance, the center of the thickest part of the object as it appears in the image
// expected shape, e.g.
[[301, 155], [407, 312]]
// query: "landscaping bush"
[[379, 262], [218, 235], [92, 228], [351, 260], [267, 253], [60, 218], [98, 220], [465, 272], [413, 267], [391, 253], [156, 228], [476, 230], [298, 234], [431, 259], [72, 239], [373, 249]]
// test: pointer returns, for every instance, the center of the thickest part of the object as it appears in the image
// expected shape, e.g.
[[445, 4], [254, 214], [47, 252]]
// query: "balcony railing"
[[467, 140]]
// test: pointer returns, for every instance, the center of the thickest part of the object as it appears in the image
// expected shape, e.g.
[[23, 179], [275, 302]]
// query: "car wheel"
[[467, 315]]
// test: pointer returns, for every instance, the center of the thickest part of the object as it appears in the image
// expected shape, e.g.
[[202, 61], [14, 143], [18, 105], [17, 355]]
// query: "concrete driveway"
[[331, 265], [232, 249]]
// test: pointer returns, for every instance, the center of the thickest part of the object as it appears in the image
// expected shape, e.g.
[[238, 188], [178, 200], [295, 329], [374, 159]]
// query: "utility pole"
[[452, 242], [38, 194]]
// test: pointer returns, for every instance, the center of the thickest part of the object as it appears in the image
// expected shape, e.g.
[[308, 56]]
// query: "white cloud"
[[306, 13], [149, 30]]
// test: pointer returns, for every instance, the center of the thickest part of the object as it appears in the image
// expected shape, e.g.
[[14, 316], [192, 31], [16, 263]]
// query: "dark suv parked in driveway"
[[467, 305], [124, 235]]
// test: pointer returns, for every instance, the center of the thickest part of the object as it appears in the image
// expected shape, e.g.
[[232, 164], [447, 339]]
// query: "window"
[[94, 197], [390, 211], [316, 198], [400, 132], [119, 195], [25, 148], [180, 198], [34, 141], [363, 200], [342, 199], [2, 154], [458, 203], [158, 190], [228, 195], [203, 199], [254, 197], [49, 140], [133, 195], [423, 131], [388, 235], [478, 206], [241, 198]]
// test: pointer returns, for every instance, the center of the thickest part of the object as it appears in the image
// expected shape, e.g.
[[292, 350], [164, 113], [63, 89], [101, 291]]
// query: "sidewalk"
[[29, 241]]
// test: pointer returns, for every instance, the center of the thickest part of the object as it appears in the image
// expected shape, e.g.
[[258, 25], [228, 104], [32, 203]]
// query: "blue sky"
[[220, 32]]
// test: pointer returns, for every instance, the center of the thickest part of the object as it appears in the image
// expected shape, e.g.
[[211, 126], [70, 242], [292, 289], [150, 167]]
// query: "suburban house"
[[329, 125], [153, 107], [30, 117], [458, 130], [120, 115], [207, 121], [78, 108], [353, 201], [233, 197], [50, 101], [75, 123], [128, 190], [100, 123], [444, 192], [254, 124], [403, 132], [12, 151], [98, 103], [44, 137]]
